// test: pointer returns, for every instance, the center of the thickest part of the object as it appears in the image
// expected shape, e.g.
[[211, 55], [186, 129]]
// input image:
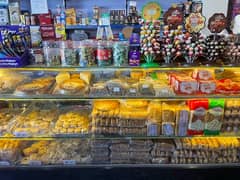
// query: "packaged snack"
[[98, 90], [207, 87], [182, 118], [168, 119], [214, 119], [146, 88], [198, 113], [97, 149], [154, 118], [185, 85], [202, 74], [116, 87], [105, 117], [133, 117]]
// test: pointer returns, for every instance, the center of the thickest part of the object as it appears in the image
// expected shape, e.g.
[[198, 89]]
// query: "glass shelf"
[[111, 137], [110, 166], [87, 98], [96, 68]]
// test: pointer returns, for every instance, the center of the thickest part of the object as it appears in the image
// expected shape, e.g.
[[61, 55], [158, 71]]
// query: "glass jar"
[[37, 55], [104, 53], [52, 54], [120, 53], [69, 53], [86, 53]]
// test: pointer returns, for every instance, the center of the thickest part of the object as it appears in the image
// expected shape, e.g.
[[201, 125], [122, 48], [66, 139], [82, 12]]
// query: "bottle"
[[62, 16]]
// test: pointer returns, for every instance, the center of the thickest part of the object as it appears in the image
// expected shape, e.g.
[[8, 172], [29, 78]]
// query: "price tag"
[[133, 90], [21, 134], [132, 3], [116, 89], [69, 162], [145, 86], [35, 163], [4, 163]]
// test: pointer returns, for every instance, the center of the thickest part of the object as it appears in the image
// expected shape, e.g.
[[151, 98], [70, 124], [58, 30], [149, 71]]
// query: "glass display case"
[[120, 116]]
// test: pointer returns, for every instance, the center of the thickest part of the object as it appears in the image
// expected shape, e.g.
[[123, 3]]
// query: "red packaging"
[[45, 19], [207, 87], [202, 74], [185, 85], [198, 114], [48, 32]]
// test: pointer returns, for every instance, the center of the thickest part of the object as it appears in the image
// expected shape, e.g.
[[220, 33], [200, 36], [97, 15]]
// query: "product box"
[[45, 19], [48, 32], [16, 62], [4, 20], [14, 13], [36, 38], [4, 3], [15, 29]]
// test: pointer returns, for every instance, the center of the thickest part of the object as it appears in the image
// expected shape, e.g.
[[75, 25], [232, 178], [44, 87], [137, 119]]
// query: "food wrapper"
[[207, 87], [168, 119], [185, 85], [198, 114], [214, 117], [203, 75]]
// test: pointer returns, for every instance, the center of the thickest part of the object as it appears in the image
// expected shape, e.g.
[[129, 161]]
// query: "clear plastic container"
[[52, 53], [69, 52], [86, 53], [104, 53], [120, 53]]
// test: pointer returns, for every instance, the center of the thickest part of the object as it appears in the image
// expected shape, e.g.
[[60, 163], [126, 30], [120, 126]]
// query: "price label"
[[21, 134], [133, 90], [35, 163], [145, 86], [4, 163], [69, 162], [116, 89], [132, 3]]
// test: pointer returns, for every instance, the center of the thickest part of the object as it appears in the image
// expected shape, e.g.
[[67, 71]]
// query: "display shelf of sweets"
[[122, 84]]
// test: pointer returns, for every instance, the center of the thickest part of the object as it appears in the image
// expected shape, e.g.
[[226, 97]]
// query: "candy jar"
[[120, 53]]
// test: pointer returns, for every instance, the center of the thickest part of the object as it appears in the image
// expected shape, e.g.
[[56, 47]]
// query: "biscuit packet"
[[214, 118], [182, 118], [198, 115], [168, 119]]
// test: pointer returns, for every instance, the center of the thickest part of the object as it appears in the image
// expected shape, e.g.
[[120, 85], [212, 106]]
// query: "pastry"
[[71, 123], [61, 77], [34, 123], [86, 76], [37, 86]]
